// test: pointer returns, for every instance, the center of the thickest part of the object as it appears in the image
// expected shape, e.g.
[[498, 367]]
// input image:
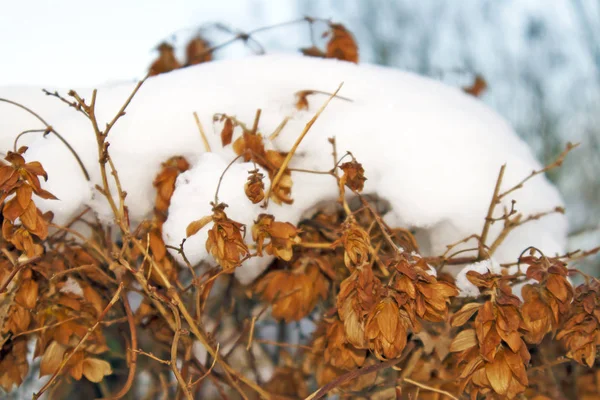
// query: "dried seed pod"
[[342, 45], [281, 235], [166, 61], [254, 187], [354, 175]]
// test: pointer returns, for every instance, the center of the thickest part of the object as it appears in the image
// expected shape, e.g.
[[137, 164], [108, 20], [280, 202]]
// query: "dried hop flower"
[[354, 175], [282, 236], [356, 244], [254, 187], [225, 241]]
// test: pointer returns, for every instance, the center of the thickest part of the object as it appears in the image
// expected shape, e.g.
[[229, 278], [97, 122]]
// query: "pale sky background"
[[84, 43]]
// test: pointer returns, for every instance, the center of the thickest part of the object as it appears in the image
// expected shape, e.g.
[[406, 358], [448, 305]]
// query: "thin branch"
[[151, 355], [134, 345], [352, 375], [489, 217], [182, 385], [430, 388], [290, 154], [202, 134], [557, 163], [51, 129]]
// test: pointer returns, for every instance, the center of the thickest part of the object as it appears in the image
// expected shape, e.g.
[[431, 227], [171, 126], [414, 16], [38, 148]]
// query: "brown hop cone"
[[538, 318], [294, 294], [581, 333], [254, 187], [196, 51], [225, 241], [354, 175], [328, 343], [358, 296], [478, 86], [166, 61], [424, 296], [552, 276], [505, 375], [288, 382], [252, 147], [356, 243], [165, 184], [281, 235], [13, 363], [342, 45], [288, 379], [387, 330], [493, 354], [338, 351]]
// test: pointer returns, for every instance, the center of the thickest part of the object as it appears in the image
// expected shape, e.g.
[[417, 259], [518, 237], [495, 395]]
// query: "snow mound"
[[467, 289], [432, 151]]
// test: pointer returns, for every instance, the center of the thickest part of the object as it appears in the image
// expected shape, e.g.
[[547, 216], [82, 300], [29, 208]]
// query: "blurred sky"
[[84, 43]]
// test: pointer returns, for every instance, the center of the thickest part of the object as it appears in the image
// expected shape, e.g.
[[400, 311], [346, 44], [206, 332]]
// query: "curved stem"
[[51, 129]]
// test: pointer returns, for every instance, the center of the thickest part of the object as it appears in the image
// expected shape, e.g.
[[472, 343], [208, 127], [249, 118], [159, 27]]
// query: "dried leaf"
[[195, 226], [477, 88], [463, 341], [464, 314], [313, 51], [95, 369], [227, 132], [342, 46]]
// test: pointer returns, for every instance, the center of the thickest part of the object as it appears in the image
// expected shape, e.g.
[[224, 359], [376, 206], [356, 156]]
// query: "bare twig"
[[430, 388], [354, 374], [202, 134], [51, 129], [133, 351], [290, 154], [182, 385], [489, 217]]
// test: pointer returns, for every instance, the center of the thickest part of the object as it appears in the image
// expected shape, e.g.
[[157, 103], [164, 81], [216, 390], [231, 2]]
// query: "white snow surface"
[[467, 289], [429, 149]]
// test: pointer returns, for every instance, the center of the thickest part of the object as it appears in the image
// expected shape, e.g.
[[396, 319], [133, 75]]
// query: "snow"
[[433, 152], [72, 286], [467, 289]]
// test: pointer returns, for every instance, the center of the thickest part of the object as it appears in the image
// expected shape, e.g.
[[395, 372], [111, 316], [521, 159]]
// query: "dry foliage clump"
[[349, 306]]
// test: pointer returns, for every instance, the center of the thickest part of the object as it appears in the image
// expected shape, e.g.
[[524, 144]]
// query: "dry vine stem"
[[383, 322], [122, 222], [290, 154]]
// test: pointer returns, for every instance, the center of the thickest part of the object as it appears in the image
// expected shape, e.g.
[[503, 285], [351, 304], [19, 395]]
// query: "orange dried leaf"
[[354, 175], [463, 341], [166, 60], [465, 313], [27, 295], [195, 226], [95, 369], [227, 132], [313, 51], [197, 52], [342, 45], [477, 87]]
